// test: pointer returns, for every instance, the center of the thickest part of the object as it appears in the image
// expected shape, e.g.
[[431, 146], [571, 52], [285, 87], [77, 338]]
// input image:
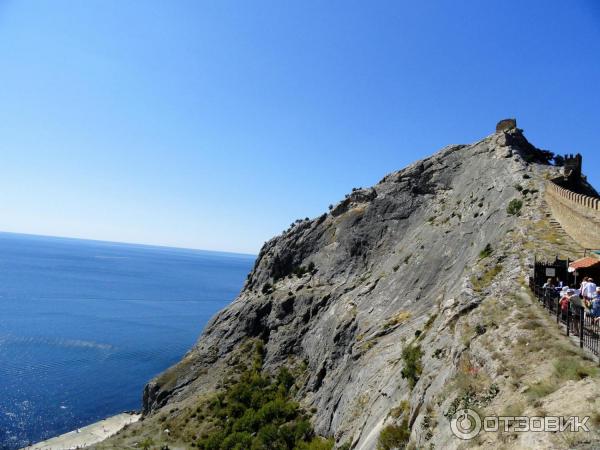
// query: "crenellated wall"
[[578, 214]]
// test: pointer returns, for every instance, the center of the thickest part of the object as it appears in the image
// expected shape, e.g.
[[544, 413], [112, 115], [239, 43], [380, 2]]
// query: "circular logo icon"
[[465, 424]]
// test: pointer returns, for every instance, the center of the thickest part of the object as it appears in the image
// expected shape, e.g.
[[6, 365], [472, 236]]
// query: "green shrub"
[[487, 251], [572, 368], [411, 356], [402, 409], [317, 444], [541, 389], [482, 282], [257, 411], [430, 321], [514, 207], [146, 443], [394, 437], [300, 271]]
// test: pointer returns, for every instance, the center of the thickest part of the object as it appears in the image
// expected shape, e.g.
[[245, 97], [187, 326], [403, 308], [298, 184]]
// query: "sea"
[[84, 325]]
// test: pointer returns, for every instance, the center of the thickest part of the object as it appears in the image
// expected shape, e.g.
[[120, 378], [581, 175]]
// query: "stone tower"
[[572, 168]]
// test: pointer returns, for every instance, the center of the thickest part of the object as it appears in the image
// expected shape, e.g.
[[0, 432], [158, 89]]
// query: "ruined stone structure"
[[506, 124], [578, 214]]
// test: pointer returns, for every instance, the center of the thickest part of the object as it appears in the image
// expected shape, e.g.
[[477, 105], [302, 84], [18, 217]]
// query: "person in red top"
[[564, 304]]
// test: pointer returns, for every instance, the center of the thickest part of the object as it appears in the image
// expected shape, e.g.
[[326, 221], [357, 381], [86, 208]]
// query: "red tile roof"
[[584, 263]]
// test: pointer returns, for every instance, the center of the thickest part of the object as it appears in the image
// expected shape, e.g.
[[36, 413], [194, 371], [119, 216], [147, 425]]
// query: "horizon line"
[[139, 244]]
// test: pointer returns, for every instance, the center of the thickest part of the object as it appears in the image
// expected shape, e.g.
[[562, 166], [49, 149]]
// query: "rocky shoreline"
[[88, 435]]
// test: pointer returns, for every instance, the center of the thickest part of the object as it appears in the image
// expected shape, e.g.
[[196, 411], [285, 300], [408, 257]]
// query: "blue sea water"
[[85, 324]]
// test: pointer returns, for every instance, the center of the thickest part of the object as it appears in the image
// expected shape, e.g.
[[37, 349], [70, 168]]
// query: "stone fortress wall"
[[578, 214]]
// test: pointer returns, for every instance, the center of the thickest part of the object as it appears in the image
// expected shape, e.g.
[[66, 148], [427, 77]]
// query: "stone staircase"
[[556, 226]]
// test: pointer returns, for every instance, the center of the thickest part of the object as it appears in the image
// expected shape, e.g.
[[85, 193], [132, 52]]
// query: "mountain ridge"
[[376, 306]]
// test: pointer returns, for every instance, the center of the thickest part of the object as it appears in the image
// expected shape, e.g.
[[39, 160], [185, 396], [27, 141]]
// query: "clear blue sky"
[[214, 124]]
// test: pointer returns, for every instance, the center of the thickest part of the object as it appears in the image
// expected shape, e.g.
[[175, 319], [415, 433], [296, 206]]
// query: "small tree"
[[411, 355], [514, 207]]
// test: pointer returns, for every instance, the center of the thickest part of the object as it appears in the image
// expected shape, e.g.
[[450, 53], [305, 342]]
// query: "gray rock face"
[[387, 262]]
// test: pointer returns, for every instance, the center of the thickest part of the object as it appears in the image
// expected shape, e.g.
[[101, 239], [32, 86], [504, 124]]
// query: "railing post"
[[581, 324], [558, 314], [568, 320]]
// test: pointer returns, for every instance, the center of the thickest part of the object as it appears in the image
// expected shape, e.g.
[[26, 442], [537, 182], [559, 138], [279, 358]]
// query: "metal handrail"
[[576, 320]]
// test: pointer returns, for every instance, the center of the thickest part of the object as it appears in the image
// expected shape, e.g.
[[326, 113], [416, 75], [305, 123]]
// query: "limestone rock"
[[343, 294]]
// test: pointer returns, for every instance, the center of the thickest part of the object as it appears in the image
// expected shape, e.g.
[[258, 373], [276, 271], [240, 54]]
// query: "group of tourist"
[[587, 296]]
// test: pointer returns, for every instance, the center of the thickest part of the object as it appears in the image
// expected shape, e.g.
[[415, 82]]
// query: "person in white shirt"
[[583, 286], [590, 289]]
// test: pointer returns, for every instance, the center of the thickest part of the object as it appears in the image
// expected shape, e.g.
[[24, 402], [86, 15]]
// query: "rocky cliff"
[[402, 303]]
